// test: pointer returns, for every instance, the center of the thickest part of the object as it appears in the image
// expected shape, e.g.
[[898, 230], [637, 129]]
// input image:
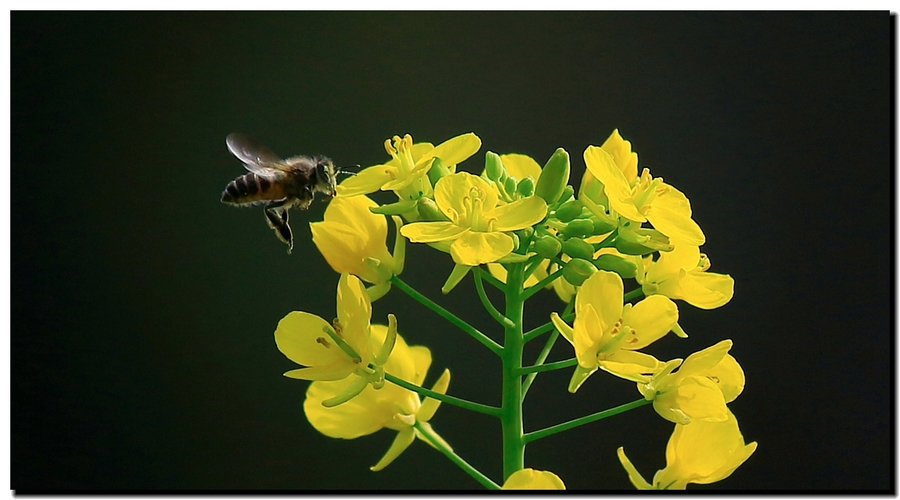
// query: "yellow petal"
[[474, 248], [587, 333], [729, 376], [354, 213], [349, 420], [300, 337], [354, 313], [707, 290], [682, 257], [670, 214], [428, 232], [518, 214], [452, 191], [521, 166], [567, 332], [342, 247], [650, 319], [625, 159], [333, 371], [453, 151], [530, 479], [630, 365], [604, 291], [705, 452], [367, 180], [617, 189]]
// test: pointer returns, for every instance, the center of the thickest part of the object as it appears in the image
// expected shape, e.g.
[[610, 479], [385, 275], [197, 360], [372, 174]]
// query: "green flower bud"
[[438, 170], [601, 226], [578, 228], [547, 246], [429, 211], [515, 238], [493, 166], [566, 195], [554, 177], [569, 210], [525, 187], [509, 185], [578, 270], [622, 267], [578, 248], [525, 233]]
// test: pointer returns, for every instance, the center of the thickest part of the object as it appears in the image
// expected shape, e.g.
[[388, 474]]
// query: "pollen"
[[324, 343]]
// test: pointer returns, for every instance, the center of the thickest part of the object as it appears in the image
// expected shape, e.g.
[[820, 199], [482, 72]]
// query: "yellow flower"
[[638, 198], [478, 226], [352, 240], [309, 340], [406, 173], [530, 479], [700, 452], [700, 389], [391, 407], [681, 274], [607, 335]]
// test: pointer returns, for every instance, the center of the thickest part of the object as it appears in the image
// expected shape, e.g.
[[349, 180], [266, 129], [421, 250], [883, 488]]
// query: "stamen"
[[337, 327], [390, 149], [324, 343]]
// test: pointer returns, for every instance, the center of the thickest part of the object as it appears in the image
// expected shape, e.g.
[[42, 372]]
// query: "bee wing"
[[256, 157]]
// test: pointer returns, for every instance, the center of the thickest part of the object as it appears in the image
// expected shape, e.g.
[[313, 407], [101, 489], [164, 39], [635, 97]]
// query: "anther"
[[324, 343]]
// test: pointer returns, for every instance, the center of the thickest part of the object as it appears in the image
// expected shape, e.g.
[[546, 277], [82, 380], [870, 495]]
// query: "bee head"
[[326, 176]]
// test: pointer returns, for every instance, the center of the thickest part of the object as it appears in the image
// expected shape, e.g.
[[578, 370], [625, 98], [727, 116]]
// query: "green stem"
[[533, 289], [462, 325], [637, 292], [549, 431], [551, 340], [548, 367], [497, 315], [513, 344], [444, 398], [428, 433], [533, 265]]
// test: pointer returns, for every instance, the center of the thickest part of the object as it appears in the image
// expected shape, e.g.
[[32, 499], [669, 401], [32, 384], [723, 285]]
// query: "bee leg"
[[277, 219]]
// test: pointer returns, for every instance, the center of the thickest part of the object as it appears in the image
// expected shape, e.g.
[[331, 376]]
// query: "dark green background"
[[143, 309]]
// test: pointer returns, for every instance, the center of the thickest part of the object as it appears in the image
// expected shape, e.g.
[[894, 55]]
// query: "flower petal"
[[604, 291], [625, 159], [670, 214], [401, 442], [354, 212], [354, 314], [630, 365], [603, 167], [530, 479], [453, 151], [518, 214], [474, 248], [367, 180], [300, 337], [349, 420], [521, 166], [452, 191], [650, 319], [706, 290], [429, 232]]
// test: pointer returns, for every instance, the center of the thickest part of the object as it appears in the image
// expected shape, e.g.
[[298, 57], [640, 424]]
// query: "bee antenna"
[[347, 172]]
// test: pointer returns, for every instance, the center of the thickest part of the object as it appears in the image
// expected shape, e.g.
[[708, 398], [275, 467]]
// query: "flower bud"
[[601, 226], [554, 177], [525, 233], [525, 187], [578, 248], [569, 210], [438, 170], [566, 195], [493, 166], [509, 185], [616, 264], [429, 211], [547, 246], [641, 241], [578, 270], [578, 228]]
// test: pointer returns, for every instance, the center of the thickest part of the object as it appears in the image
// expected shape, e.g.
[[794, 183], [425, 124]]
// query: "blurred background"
[[143, 309]]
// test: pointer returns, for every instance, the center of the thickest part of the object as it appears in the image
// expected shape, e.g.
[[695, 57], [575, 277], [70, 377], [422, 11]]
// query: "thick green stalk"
[[511, 407]]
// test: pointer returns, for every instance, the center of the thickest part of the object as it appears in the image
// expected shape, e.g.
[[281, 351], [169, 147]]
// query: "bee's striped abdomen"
[[252, 188]]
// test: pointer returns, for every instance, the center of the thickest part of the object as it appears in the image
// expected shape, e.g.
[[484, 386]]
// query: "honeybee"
[[278, 183]]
